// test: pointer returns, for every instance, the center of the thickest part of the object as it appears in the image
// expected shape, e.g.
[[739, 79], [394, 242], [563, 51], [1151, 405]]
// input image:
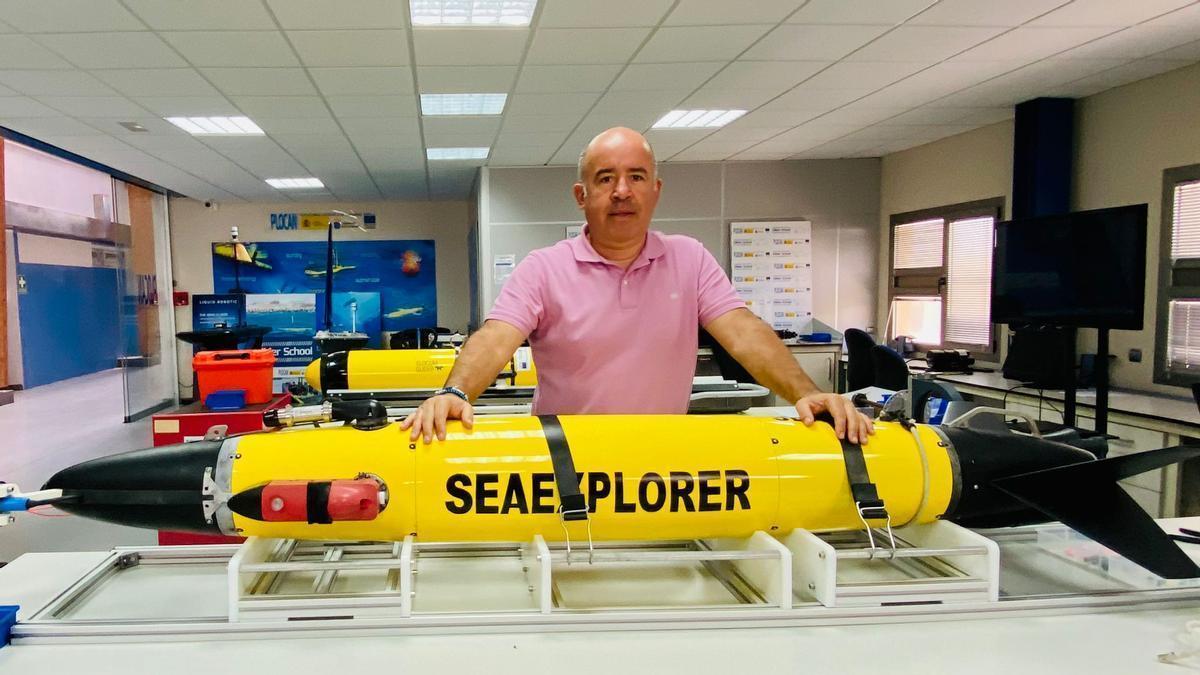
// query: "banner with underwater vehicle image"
[[401, 271]]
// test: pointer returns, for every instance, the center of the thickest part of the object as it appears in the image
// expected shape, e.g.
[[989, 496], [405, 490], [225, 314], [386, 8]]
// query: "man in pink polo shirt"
[[612, 314]]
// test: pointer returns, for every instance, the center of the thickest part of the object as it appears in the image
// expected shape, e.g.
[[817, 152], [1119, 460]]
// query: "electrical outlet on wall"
[[1135, 356]]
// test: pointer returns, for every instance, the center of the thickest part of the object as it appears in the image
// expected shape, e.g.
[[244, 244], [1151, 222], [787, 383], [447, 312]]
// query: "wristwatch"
[[453, 391]]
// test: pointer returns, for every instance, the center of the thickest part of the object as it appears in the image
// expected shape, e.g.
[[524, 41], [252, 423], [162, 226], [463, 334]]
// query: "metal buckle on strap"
[[576, 514], [874, 510]]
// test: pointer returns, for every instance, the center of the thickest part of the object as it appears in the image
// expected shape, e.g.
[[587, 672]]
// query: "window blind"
[[1183, 340], [918, 245], [1185, 224], [969, 282]]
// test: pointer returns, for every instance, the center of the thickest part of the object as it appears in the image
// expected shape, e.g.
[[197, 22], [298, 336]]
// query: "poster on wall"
[[292, 318], [771, 268], [217, 311], [401, 272], [354, 312]]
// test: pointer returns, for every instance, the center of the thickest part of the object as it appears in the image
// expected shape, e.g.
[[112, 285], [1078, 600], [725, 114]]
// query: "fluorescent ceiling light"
[[462, 104], [295, 183], [456, 153], [697, 119], [217, 126], [472, 12]]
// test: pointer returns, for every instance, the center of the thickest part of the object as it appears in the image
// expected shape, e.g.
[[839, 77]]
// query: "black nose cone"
[[159, 488]]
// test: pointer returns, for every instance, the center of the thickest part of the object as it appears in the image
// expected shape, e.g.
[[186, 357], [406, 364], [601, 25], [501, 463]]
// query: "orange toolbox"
[[246, 369]]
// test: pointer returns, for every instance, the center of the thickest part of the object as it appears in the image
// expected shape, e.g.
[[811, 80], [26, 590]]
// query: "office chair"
[[891, 372], [728, 366], [860, 370]]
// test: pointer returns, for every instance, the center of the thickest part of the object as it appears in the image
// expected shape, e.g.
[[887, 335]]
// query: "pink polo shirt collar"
[[581, 247]]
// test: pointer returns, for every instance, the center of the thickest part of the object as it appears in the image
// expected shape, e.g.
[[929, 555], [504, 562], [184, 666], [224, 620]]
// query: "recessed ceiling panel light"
[[456, 153], [217, 126], [462, 104], [697, 119], [295, 183], [472, 12]]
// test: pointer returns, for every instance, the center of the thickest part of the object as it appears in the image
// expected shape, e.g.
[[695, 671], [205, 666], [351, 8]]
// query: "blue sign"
[[285, 221]]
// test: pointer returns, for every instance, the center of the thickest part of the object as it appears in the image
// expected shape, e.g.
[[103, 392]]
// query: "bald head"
[[620, 139]]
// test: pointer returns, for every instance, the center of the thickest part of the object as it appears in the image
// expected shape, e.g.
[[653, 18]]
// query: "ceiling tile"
[[707, 150], [323, 48], [438, 139], [210, 14], [563, 46], [1175, 29], [1107, 13], [392, 159], [856, 114], [550, 104], [48, 126], [538, 123], [1027, 44], [187, 106], [923, 44], [509, 139], [68, 16], [465, 79], [760, 154], [805, 97], [261, 81], [530, 155], [260, 156], [374, 106], [1186, 52], [608, 14], [165, 146], [301, 14], [95, 106], [659, 76], [233, 48], [393, 127], [365, 81], [707, 13], [1124, 74], [465, 47], [113, 50], [23, 106], [5, 28], [54, 83], [736, 132], [566, 79], [861, 75], [447, 127], [675, 44], [280, 107], [812, 43], [657, 103], [18, 51], [863, 12], [155, 126], [939, 80], [156, 82], [86, 145], [713, 98], [778, 75], [768, 119], [975, 13]]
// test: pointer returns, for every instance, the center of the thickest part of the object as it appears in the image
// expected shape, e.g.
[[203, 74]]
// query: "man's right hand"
[[430, 418]]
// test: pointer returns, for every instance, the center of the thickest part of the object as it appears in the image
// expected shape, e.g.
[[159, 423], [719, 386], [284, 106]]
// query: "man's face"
[[619, 190]]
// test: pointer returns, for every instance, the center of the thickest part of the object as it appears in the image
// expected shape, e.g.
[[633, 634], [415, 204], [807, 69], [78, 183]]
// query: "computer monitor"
[[1082, 269]]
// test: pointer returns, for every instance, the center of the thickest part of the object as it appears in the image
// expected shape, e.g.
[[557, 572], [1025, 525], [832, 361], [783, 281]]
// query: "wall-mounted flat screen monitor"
[[1083, 269]]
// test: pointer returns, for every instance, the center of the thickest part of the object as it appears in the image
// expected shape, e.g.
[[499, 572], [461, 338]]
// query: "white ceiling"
[[335, 84]]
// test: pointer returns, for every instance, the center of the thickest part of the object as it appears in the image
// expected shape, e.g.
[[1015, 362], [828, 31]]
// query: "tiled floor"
[[49, 428]]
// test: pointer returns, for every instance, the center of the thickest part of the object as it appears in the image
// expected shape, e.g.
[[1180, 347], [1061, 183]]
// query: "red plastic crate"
[[247, 369]]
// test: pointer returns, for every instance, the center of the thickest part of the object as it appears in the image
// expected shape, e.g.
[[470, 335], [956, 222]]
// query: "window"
[[941, 276], [1177, 338]]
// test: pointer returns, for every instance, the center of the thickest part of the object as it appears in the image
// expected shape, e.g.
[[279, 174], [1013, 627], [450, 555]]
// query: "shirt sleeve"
[[520, 302], [715, 294]]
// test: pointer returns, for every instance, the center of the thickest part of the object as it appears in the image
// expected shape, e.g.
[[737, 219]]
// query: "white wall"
[[1124, 138], [521, 209], [963, 168], [194, 229]]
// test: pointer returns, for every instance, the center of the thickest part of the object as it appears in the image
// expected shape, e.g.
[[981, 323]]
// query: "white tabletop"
[[1172, 409]]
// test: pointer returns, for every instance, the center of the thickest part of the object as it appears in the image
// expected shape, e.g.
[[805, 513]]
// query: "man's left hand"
[[848, 422]]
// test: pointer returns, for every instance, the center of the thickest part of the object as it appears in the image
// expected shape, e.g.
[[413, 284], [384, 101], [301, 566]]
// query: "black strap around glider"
[[572, 505], [866, 496]]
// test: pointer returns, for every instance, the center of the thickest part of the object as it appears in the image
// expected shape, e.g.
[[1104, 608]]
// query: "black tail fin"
[[1086, 498]]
